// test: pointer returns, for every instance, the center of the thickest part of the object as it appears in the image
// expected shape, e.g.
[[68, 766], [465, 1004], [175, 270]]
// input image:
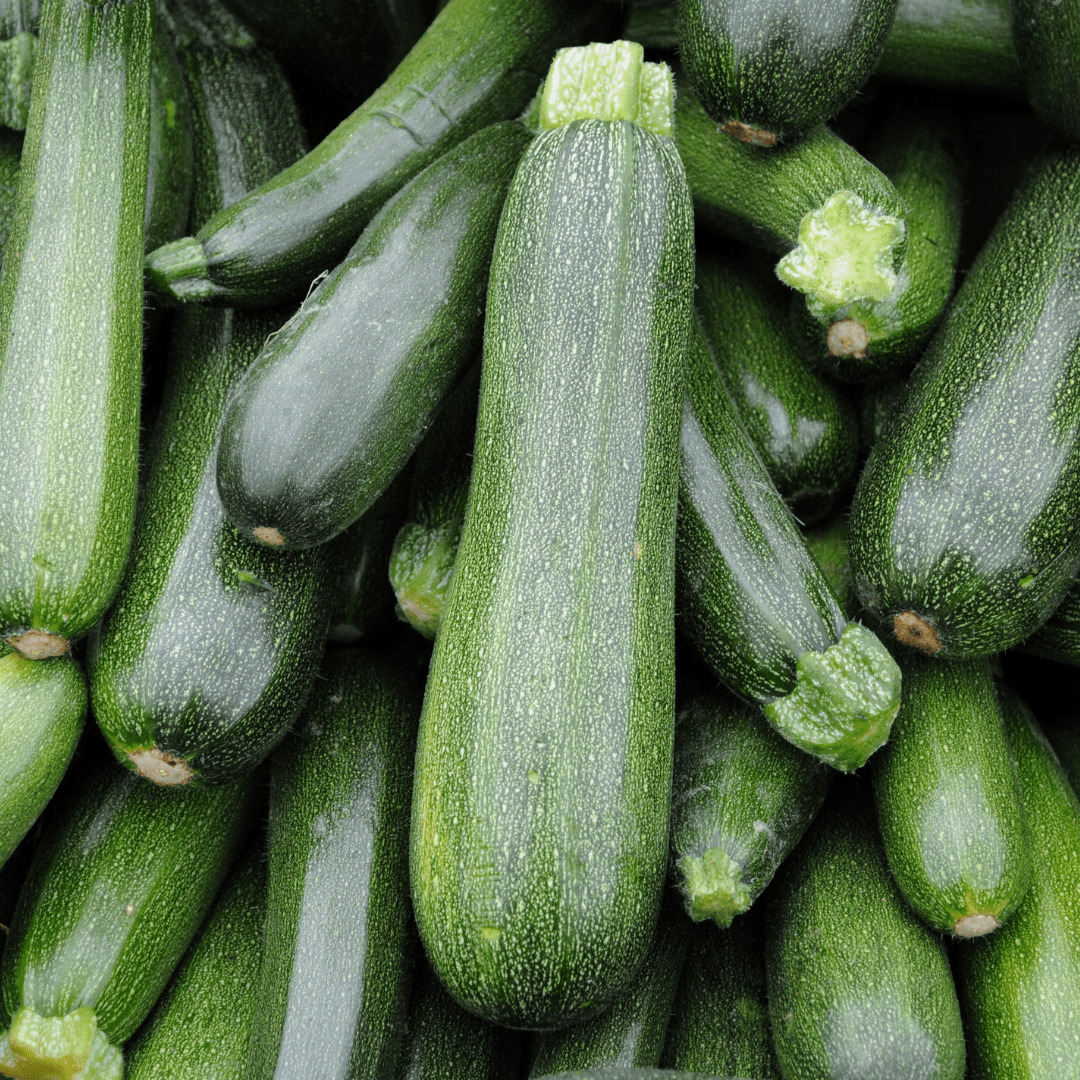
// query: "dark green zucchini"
[[740, 800], [876, 404], [963, 534], [719, 1023], [478, 62], [828, 545], [18, 54], [1020, 987], [334, 982], [207, 655], [121, 882], [948, 807], [632, 1074], [632, 1031], [425, 548], [768, 71], [10, 158], [858, 987], [754, 602], [1059, 637], [342, 394], [69, 397], [1047, 41], [200, 1027], [42, 707], [802, 427], [1064, 737], [543, 769]]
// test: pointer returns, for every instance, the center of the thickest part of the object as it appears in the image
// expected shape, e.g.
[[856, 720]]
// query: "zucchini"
[[17, 56], [10, 159], [333, 986], [948, 807], [768, 71], [632, 1074], [1065, 739], [341, 395], [123, 878], [209, 1006], [802, 427], [543, 767], [632, 1031], [719, 1023], [1045, 37], [1021, 986], [963, 540], [741, 799], [858, 987], [479, 62], [1059, 637], [69, 397], [753, 601], [828, 545], [173, 712], [42, 708]]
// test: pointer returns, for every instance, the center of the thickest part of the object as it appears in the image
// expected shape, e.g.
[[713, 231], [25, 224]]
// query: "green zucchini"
[[741, 799], [425, 548], [342, 394], [875, 339], [719, 1023], [123, 878], [174, 710], [768, 71], [1046, 37], [877, 400], [858, 987], [948, 807], [1065, 739], [632, 1031], [1021, 986], [753, 601], [17, 56], [1059, 637], [70, 397], [828, 545], [479, 62], [963, 530], [10, 159], [632, 1074], [333, 986], [42, 707], [802, 427], [837, 220], [200, 1027], [543, 767]]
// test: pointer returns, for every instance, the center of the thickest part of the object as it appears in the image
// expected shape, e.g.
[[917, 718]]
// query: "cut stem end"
[[161, 768], [914, 630], [975, 926], [39, 644]]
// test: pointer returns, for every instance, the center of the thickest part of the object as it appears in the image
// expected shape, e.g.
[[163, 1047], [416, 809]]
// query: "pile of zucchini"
[[555, 508]]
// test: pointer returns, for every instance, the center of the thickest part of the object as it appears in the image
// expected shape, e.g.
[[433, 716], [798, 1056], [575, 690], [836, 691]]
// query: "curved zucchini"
[[479, 62], [69, 398], [963, 532], [334, 982], [1045, 36], [123, 878], [342, 394], [769, 70], [754, 602], [949, 810], [543, 766]]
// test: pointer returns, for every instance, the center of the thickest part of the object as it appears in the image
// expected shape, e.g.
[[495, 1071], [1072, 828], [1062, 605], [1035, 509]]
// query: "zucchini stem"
[[70, 1047]]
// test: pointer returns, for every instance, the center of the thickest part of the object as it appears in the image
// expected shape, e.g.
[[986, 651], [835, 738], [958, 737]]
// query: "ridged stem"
[[70, 1047], [178, 271]]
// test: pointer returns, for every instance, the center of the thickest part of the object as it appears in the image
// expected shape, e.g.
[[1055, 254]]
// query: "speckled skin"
[[543, 770], [966, 510], [949, 810], [858, 987], [1021, 986], [334, 983], [200, 1027], [780, 65], [1045, 33], [71, 320]]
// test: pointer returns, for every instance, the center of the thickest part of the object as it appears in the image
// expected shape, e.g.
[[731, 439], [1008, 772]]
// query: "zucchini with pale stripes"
[[543, 768]]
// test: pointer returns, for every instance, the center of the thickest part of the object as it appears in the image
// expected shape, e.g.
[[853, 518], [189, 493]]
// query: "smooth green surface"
[[1045, 36], [965, 511], [69, 397], [544, 762]]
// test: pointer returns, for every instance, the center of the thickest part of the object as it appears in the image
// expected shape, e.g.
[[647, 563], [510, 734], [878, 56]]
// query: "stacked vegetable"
[[565, 361]]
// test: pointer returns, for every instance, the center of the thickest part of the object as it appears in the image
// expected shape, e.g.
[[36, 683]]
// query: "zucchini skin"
[[1045, 37], [334, 982], [67, 505], [632, 1074], [551, 692], [857, 985], [961, 533], [769, 71], [476, 64], [1020, 987], [1059, 637], [949, 810], [209, 1005], [206, 657], [828, 545], [339, 399], [42, 708], [10, 159]]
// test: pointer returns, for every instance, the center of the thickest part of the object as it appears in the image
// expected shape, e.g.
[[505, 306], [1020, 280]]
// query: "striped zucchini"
[[543, 768]]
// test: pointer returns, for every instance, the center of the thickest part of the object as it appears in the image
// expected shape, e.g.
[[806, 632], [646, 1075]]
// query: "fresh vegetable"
[[1045, 37]]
